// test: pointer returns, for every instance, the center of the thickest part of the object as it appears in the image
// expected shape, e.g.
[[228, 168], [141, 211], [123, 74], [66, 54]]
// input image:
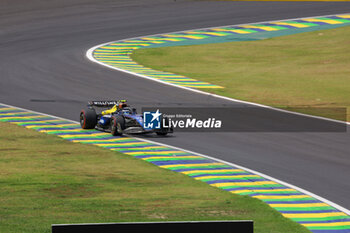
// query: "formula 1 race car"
[[122, 119]]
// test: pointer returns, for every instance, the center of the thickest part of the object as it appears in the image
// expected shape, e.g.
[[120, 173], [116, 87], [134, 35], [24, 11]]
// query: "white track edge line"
[[89, 55], [342, 209]]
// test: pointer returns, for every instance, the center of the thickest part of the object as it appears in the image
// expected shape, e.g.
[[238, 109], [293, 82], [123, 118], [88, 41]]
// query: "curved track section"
[[43, 64], [116, 55]]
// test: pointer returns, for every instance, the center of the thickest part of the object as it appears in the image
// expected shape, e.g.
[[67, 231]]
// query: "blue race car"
[[117, 120]]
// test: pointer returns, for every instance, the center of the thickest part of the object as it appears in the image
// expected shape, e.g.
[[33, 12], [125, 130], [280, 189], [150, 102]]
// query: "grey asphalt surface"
[[44, 68]]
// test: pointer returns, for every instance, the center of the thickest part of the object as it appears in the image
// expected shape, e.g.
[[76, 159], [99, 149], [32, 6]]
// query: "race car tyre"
[[88, 118], [163, 131], [117, 125]]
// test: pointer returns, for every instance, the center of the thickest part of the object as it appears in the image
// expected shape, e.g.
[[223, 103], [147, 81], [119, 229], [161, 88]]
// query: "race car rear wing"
[[102, 103]]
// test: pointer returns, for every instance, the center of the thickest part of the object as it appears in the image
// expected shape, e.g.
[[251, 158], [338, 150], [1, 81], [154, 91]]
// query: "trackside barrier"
[[245, 226]]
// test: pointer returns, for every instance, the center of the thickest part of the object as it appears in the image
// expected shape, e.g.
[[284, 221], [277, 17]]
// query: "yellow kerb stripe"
[[48, 126], [116, 47], [329, 224], [204, 33], [118, 57], [344, 16], [122, 144], [282, 197], [323, 21], [209, 86], [313, 215], [191, 37], [150, 40], [129, 44], [241, 191], [120, 62], [142, 148], [299, 205], [63, 129], [8, 109], [83, 135], [45, 121], [233, 177], [154, 152], [243, 183], [157, 39], [12, 113], [166, 157], [103, 140], [212, 171], [239, 31], [266, 28], [261, 191], [291, 24], [27, 117], [187, 83], [176, 79], [192, 165]]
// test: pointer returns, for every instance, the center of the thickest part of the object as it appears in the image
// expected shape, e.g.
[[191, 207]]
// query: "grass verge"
[[45, 180], [300, 72]]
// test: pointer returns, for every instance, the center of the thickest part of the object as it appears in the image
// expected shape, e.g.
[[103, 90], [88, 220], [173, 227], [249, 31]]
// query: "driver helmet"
[[121, 104]]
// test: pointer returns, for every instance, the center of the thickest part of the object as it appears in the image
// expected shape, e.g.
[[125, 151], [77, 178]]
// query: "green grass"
[[306, 70], [46, 180]]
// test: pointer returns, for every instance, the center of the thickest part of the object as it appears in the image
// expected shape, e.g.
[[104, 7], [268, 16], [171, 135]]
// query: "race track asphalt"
[[44, 68]]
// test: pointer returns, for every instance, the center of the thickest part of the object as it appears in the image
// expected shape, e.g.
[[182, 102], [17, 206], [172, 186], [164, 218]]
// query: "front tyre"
[[88, 118], [117, 125]]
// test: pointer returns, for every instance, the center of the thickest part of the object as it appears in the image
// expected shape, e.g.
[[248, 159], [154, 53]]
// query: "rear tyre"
[[163, 131], [88, 118], [117, 125]]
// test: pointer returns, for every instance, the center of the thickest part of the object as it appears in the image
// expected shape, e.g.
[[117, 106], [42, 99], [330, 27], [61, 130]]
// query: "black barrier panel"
[[158, 227]]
